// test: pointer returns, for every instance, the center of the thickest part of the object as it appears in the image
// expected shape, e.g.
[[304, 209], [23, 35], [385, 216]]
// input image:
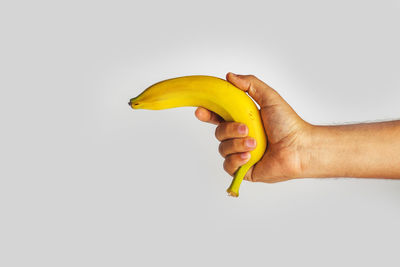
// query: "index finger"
[[206, 115]]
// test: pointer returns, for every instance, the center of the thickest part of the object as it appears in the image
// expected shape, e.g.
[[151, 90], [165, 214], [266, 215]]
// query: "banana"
[[217, 95]]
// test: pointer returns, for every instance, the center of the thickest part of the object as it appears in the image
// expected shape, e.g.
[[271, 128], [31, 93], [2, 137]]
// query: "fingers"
[[205, 115], [257, 89], [228, 130], [234, 161], [236, 145], [236, 153]]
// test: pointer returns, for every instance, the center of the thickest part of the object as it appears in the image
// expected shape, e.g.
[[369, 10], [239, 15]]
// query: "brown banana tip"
[[232, 194]]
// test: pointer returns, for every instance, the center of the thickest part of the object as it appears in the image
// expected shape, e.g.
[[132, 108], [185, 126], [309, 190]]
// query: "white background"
[[86, 181]]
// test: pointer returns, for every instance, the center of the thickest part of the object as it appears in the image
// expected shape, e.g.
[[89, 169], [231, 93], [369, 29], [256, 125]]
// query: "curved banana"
[[217, 95]]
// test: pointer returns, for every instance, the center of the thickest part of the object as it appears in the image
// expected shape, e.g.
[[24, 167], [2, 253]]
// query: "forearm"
[[370, 150]]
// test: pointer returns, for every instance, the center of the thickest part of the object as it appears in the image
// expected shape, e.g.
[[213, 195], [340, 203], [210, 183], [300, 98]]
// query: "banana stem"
[[233, 189]]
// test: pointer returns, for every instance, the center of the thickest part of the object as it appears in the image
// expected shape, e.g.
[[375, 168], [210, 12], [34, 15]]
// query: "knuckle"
[[234, 127], [227, 130], [238, 145], [221, 149], [229, 165], [252, 77], [230, 128], [226, 166], [218, 132], [243, 144]]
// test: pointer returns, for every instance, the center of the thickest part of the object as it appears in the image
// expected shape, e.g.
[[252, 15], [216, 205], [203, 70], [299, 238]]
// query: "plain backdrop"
[[87, 181]]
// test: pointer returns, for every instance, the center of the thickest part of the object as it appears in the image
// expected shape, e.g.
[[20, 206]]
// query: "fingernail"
[[242, 129], [250, 142], [245, 155]]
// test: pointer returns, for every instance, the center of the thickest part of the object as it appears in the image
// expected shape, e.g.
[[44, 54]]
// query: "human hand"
[[285, 130]]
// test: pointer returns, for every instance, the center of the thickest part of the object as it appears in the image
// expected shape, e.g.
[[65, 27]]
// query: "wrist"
[[322, 153]]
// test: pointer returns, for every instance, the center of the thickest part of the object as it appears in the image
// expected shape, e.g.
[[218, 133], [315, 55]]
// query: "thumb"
[[257, 89]]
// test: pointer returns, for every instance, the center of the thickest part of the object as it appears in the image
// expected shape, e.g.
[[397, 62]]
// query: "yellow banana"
[[217, 95]]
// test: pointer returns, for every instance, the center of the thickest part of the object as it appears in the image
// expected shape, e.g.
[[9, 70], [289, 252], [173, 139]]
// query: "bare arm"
[[370, 150]]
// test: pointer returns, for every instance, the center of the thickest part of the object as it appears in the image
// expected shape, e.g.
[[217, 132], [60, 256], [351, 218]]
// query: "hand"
[[285, 130]]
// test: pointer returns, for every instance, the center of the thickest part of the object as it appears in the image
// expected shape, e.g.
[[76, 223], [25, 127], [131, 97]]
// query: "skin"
[[298, 149]]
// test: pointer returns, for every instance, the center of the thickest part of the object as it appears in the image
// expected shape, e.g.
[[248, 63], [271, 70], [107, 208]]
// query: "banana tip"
[[232, 194]]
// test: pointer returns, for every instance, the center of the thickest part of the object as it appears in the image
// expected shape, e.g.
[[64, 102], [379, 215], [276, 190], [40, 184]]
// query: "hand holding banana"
[[242, 128]]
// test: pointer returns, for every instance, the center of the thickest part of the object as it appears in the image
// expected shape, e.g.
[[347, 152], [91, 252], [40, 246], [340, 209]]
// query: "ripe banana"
[[217, 95]]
